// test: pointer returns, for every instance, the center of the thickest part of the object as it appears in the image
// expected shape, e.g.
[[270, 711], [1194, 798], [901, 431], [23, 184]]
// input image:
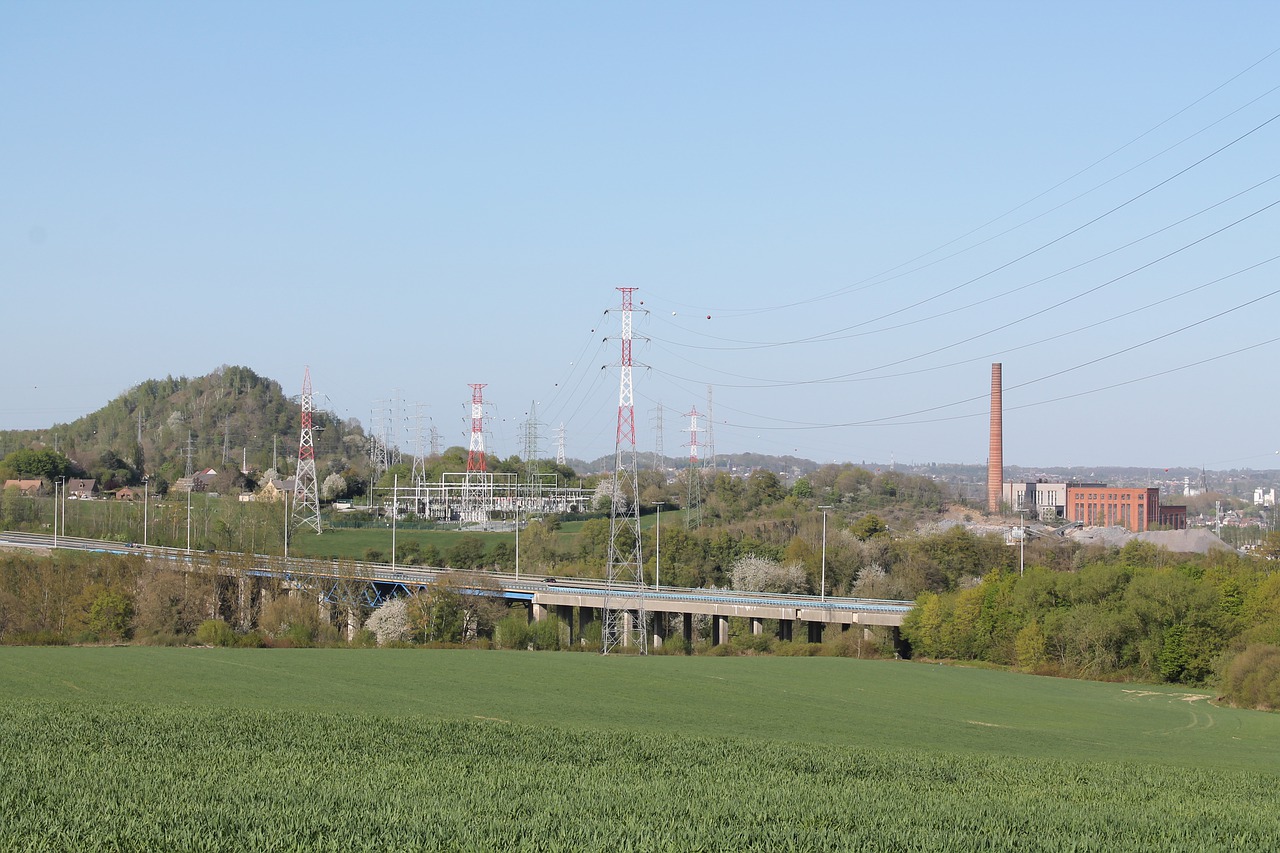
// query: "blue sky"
[[837, 216]]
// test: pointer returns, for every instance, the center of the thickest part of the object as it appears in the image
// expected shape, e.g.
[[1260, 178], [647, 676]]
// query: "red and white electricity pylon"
[[625, 624]]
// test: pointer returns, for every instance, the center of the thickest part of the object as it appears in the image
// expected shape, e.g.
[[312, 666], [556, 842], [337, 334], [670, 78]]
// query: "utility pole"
[[1022, 539], [657, 548], [823, 584]]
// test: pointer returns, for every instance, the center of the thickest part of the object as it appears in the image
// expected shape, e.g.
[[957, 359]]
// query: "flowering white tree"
[[873, 582], [333, 487], [608, 491], [390, 622], [760, 574]]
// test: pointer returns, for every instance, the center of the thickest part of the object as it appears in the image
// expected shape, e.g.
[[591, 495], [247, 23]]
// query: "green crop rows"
[[203, 749], [138, 778]]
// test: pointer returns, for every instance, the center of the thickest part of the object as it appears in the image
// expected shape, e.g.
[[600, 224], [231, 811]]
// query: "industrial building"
[[1136, 509]]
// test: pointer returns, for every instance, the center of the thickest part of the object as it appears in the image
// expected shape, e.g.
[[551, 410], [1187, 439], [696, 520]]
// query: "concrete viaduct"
[[671, 610]]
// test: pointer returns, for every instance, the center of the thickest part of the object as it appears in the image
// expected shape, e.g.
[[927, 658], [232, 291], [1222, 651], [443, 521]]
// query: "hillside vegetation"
[[228, 418]]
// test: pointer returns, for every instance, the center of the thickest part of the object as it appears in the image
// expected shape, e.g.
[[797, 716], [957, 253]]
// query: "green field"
[[355, 543], [142, 748]]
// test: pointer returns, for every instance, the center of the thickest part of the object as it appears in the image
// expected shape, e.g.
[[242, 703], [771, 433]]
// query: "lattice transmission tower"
[[532, 441], [693, 476], [379, 429], [419, 472], [477, 478], [659, 463], [709, 456], [560, 444], [624, 619], [306, 491]]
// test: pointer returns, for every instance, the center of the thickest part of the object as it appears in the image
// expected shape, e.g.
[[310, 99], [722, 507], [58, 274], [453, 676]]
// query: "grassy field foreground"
[[135, 748]]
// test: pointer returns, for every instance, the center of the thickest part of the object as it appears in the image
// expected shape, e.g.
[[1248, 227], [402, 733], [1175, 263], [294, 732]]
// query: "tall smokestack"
[[995, 451]]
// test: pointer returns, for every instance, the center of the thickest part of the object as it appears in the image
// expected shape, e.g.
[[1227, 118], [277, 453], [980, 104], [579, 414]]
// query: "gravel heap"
[[1192, 541]]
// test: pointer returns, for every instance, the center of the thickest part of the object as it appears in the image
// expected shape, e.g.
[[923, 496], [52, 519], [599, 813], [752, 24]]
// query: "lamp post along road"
[[822, 589], [657, 548], [145, 494], [286, 528], [56, 484], [395, 511], [1022, 539]]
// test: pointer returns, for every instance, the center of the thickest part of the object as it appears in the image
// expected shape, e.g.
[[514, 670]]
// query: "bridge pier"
[[661, 628], [719, 630], [244, 598], [757, 626], [686, 628], [538, 612], [565, 614], [786, 629], [586, 616], [815, 632]]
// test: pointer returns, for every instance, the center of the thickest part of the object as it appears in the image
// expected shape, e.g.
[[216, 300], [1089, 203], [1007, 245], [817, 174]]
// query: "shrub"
[[161, 638], [673, 645], [842, 644], [251, 640], [215, 632], [590, 637], [790, 648], [35, 638], [1253, 678], [512, 632], [300, 635], [755, 643], [549, 634]]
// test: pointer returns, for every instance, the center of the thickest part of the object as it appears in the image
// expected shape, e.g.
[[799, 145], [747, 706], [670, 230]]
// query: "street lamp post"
[[56, 487], [286, 528], [1022, 539], [657, 548], [145, 494], [517, 537], [822, 589], [395, 511], [190, 489]]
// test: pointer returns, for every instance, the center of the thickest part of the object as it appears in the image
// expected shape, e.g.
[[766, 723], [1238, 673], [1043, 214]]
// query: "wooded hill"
[[230, 418]]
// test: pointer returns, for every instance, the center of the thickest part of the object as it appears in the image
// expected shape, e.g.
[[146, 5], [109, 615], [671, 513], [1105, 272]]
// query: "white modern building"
[[1045, 501]]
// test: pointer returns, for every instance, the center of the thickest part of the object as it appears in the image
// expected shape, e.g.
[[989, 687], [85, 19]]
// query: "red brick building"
[[1136, 509]]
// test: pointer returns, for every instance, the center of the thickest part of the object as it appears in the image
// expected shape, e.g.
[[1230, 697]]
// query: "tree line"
[[1137, 612]]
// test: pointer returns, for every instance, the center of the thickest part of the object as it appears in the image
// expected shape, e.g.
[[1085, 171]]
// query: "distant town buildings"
[[201, 481], [26, 488], [1095, 505], [81, 489]]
